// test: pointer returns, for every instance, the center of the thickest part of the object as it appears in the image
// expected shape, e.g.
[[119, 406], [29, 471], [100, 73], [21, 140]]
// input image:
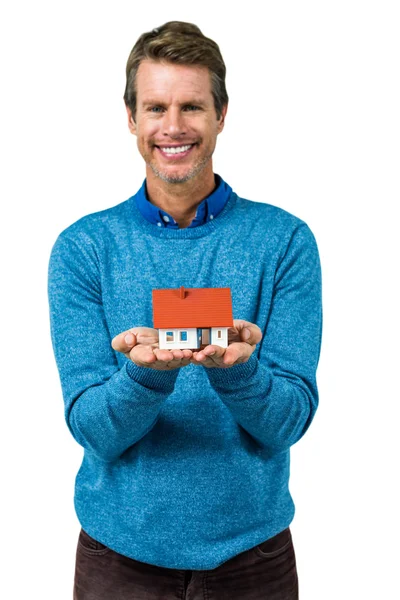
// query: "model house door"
[[205, 336]]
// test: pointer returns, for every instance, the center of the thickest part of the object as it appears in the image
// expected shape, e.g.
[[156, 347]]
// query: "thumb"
[[124, 342], [249, 332]]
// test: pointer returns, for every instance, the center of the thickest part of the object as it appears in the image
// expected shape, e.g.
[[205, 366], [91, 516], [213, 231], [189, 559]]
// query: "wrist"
[[151, 378], [233, 376]]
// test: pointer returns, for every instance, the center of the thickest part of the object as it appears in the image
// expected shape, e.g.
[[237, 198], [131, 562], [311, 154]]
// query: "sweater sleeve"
[[107, 408], [274, 395]]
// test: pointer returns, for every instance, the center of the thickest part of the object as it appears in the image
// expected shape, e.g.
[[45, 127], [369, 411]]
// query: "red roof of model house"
[[192, 307]]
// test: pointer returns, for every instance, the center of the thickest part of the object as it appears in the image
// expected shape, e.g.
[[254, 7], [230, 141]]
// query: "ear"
[[221, 120], [131, 122]]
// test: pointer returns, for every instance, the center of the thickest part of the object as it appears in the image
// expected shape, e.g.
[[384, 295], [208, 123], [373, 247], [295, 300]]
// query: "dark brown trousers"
[[265, 572]]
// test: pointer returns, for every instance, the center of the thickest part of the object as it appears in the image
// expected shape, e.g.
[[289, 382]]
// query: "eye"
[[155, 109], [191, 107]]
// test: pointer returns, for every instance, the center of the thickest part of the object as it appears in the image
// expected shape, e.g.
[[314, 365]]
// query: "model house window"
[[170, 336], [219, 334], [183, 336]]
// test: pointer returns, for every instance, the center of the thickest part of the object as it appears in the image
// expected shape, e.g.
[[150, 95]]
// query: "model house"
[[192, 317]]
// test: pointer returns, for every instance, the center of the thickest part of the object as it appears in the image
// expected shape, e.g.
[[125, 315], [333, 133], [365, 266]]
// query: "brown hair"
[[180, 43]]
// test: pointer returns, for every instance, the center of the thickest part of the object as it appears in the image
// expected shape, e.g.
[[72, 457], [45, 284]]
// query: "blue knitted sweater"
[[187, 468]]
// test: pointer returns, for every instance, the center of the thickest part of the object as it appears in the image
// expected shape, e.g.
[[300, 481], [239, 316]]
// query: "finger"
[[182, 354], [237, 353], [179, 358], [145, 335], [163, 355], [168, 356], [142, 356], [204, 362], [210, 355]]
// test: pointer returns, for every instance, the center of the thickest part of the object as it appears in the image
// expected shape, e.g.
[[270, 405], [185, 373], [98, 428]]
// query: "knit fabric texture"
[[187, 468]]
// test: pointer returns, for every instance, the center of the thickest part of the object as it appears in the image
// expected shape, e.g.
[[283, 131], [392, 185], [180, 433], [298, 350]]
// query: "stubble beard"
[[195, 170]]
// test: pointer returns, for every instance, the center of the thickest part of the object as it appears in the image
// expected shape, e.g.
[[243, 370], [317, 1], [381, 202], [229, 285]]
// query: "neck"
[[180, 200]]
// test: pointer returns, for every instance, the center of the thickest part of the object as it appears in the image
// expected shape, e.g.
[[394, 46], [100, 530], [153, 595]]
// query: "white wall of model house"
[[192, 337]]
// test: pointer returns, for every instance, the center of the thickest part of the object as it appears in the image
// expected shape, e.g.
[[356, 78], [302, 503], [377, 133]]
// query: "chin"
[[173, 177], [180, 176]]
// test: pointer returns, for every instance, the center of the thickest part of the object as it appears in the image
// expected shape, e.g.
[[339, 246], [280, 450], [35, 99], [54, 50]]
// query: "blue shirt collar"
[[207, 210]]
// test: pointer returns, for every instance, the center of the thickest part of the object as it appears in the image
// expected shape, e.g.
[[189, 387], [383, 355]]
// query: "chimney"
[[182, 292]]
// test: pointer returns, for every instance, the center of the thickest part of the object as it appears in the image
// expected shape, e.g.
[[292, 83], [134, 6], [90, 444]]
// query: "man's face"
[[176, 122]]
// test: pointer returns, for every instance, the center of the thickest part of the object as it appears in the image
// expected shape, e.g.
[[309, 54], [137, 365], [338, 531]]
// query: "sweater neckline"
[[187, 232], [207, 210]]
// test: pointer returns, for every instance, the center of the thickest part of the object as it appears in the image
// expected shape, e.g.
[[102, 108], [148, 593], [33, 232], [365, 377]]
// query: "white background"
[[313, 127]]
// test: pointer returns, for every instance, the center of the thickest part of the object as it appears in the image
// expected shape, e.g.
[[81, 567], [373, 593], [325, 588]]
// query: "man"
[[183, 488]]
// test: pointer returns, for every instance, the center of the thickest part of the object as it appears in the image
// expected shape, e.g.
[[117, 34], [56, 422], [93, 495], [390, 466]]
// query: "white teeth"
[[176, 150]]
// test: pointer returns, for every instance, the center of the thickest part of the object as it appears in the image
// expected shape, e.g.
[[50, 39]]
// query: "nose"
[[174, 123]]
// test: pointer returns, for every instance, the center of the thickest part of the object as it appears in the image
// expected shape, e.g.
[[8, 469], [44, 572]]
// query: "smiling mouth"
[[176, 151]]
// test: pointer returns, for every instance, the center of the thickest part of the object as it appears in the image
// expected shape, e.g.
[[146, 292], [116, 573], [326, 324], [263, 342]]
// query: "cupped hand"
[[140, 345], [243, 338]]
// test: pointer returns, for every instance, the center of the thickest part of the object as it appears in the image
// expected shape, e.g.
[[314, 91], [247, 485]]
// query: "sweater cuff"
[[233, 378], [151, 378]]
